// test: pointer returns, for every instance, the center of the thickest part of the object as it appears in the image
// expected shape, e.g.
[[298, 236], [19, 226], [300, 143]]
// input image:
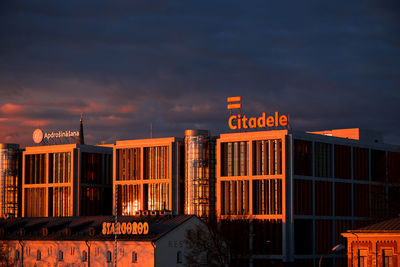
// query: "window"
[[234, 159], [267, 156], [109, 256], [179, 257], [362, 258], [235, 197], [60, 255], [84, 256], [134, 257], [387, 260], [267, 196], [38, 255], [16, 256], [302, 158]]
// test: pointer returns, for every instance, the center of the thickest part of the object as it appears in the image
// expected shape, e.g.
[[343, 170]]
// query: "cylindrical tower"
[[10, 180], [199, 173]]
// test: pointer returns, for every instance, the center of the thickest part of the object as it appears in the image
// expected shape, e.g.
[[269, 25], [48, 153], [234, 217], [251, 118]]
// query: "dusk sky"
[[126, 64]]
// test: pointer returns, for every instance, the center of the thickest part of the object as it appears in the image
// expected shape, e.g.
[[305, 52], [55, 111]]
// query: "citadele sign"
[[241, 121]]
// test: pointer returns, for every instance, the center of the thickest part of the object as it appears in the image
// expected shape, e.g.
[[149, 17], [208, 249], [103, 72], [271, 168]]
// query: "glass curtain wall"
[[10, 183], [199, 173]]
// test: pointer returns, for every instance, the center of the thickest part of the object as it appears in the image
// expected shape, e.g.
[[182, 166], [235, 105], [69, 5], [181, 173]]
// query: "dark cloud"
[[127, 64]]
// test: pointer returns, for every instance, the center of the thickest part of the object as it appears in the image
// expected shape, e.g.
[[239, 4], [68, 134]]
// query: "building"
[[374, 245], [199, 173], [66, 180], [148, 175], [10, 180], [91, 241], [301, 190]]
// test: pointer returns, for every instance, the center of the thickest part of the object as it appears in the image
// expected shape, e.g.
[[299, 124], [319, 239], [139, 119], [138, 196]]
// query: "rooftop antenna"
[[151, 130], [81, 139]]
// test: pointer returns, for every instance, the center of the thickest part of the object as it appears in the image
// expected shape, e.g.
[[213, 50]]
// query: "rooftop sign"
[[240, 121], [129, 228], [38, 135]]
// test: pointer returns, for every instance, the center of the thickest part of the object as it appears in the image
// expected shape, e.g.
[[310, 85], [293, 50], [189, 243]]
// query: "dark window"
[[303, 232], [361, 200], [394, 167], [323, 159], [323, 198], [302, 158], [342, 199], [179, 257], [109, 256], [378, 165], [84, 256], [323, 236], [267, 237], [342, 162], [134, 257], [303, 197], [91, 168], [387, 258], [60, 255], [38, 255], [16, 256], [360, 163]]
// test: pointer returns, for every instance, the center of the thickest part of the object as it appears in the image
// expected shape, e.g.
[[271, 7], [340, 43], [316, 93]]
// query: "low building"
[[91, 241], [374, 245]]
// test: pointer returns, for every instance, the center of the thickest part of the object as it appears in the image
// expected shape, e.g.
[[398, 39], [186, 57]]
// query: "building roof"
[[392, 225], [85, 228]]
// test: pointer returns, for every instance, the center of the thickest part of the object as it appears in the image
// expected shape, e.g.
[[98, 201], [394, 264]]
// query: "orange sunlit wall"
[[148, 175]]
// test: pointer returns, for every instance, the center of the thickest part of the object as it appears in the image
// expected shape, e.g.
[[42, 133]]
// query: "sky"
[[171, 64]]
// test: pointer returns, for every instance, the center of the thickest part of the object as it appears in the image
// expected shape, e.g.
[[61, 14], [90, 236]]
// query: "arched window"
[[179, 257], [16, 256], [84, 255], [134, 257], [109, 256], [38, 255], [60, 255]]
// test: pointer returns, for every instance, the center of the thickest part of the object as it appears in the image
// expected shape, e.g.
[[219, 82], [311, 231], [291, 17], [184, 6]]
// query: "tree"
[[207, 246]]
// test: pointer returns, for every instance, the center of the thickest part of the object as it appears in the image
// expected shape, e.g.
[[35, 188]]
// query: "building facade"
[[301, 190], [374, 245], [146, 241], [148, 175], [10, 180], [66, 180]]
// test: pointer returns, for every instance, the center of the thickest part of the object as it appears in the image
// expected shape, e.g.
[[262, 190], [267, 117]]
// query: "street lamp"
[[334, 249]]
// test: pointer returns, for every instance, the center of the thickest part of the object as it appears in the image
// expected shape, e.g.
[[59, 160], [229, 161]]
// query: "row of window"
[[368, 200], [267, 197], [330, 158], [84, 257]]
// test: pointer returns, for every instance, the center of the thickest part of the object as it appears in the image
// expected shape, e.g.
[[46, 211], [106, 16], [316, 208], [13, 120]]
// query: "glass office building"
[[299, 190], [67, 180], [148, 175]]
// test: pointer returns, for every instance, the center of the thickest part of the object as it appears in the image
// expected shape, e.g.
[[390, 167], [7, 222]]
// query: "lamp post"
[[334, 249]]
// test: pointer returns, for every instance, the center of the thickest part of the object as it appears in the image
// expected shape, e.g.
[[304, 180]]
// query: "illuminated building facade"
[[66, 180], [374, 245], [83, 241], [199, 173], [148, 175], [10, 180], [301, 190]]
